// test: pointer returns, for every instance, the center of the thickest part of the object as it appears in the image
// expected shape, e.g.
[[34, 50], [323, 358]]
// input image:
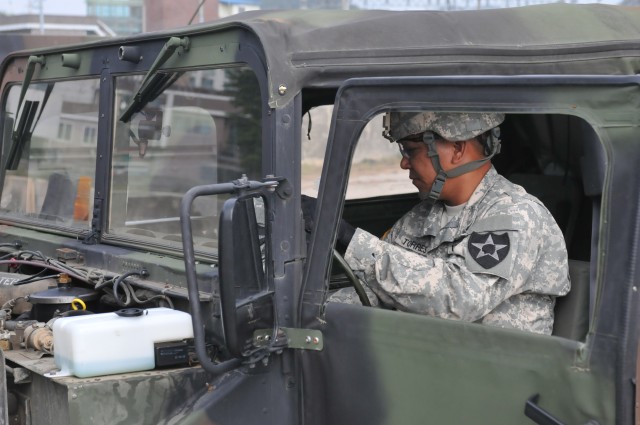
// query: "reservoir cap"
[[130, 312]]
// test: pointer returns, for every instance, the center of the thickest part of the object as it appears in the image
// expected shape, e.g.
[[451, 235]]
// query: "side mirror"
[[246, 303], [245, 265]]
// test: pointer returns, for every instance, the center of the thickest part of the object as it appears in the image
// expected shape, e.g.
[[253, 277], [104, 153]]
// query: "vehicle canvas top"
[[322, 49], [311, 48]]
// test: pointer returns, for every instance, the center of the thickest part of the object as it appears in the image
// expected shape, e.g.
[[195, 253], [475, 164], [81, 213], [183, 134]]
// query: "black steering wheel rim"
[[353, 279]]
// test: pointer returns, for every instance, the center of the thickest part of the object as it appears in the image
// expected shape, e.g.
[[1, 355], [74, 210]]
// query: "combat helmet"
[[450, 126]]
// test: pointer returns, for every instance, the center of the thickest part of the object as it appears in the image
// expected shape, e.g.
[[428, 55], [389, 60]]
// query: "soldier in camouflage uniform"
[[478, 248]]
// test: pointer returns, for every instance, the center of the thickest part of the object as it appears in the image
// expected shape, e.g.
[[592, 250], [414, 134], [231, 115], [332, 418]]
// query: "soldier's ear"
[[457, 151]]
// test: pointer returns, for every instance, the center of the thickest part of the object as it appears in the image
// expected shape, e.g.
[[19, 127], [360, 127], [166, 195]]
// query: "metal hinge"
[[301, 339]]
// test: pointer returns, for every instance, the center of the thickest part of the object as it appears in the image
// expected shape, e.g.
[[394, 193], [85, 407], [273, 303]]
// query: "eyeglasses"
[[406, 153], [418, 138]]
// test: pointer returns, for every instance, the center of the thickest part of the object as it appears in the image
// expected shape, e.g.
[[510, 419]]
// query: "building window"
[[64, 131], [90, 134], [207, 82]]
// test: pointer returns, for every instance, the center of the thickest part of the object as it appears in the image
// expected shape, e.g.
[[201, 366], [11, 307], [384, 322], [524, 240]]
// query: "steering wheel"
[[353, 279]]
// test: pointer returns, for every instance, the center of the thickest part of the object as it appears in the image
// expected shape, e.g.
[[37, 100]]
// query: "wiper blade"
[[155, 82], [154, 88], [21, 134]]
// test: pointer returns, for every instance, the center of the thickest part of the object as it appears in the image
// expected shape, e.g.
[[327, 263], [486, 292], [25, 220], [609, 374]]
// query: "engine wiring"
[[37, 277], [98, 280], [130, 294]]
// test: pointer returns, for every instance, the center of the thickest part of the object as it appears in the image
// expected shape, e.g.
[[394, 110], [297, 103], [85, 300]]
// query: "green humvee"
[[165, 171]]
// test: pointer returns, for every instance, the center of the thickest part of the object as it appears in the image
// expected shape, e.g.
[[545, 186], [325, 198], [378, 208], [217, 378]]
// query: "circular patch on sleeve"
[[488, 249]]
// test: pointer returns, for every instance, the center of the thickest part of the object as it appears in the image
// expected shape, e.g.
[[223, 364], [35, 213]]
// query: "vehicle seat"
[[59, 198], [561, 195], [572, 310]]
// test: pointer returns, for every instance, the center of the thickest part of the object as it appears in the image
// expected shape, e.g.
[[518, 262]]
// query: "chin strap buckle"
[[436, 187]]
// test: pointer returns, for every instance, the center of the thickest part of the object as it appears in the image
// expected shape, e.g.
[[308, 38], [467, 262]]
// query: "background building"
[[54, 26], [125, 17], [161, 14], [232, 7], [21, 32]]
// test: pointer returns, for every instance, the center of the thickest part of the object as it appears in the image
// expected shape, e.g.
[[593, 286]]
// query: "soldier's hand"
[[345, 230]]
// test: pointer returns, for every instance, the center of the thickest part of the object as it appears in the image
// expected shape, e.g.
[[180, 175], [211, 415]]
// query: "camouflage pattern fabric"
[[501, 261], [452, 126]]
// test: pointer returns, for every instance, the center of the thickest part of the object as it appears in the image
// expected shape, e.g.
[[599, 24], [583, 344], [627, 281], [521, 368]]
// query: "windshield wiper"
[[154, 83], [22, 132]]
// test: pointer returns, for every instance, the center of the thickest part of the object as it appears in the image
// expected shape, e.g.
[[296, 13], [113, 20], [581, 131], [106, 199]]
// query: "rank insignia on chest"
[[488, 249]]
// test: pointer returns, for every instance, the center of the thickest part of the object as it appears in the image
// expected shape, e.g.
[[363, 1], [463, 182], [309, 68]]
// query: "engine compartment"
[[36, 290]]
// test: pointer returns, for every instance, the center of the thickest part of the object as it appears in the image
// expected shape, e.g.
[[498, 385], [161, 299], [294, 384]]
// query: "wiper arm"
[[154, 87], [154, 82], [22, 133], [28, 75]]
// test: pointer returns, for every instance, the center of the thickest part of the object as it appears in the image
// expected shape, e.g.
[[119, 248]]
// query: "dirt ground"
[[368, 182]]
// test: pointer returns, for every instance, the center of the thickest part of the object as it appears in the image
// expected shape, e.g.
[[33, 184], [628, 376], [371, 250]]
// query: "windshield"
[[51, 153], [204, 128]]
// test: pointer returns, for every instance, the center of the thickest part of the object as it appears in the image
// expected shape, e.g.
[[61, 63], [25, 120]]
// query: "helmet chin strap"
[[441, 175]]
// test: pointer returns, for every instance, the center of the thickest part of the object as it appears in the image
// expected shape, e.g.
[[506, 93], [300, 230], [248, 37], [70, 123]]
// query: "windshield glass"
[[204, 128], [50, 152]]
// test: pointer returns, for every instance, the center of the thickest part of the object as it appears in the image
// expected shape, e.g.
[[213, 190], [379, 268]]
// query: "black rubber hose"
[[121, 279]]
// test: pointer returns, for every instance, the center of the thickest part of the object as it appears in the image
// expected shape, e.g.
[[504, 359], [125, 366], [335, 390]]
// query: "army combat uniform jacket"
[[501, 261]]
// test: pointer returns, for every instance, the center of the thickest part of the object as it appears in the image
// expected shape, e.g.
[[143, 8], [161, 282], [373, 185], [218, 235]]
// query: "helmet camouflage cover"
[[452, 126]]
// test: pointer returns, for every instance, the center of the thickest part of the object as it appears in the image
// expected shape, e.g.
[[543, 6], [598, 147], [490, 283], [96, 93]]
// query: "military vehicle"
[[157, 176]]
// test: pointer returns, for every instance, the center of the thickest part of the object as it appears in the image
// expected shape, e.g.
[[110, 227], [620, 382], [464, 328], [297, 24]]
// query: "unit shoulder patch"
[[488, 249]]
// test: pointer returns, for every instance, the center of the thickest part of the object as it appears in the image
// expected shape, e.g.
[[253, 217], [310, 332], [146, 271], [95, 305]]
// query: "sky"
[[51, 7]]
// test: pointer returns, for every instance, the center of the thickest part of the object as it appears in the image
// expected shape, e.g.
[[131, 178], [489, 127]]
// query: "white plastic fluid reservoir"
[[120, 342]]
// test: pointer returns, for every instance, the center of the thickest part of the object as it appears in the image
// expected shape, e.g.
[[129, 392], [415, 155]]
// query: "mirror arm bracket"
[[300, 339]]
